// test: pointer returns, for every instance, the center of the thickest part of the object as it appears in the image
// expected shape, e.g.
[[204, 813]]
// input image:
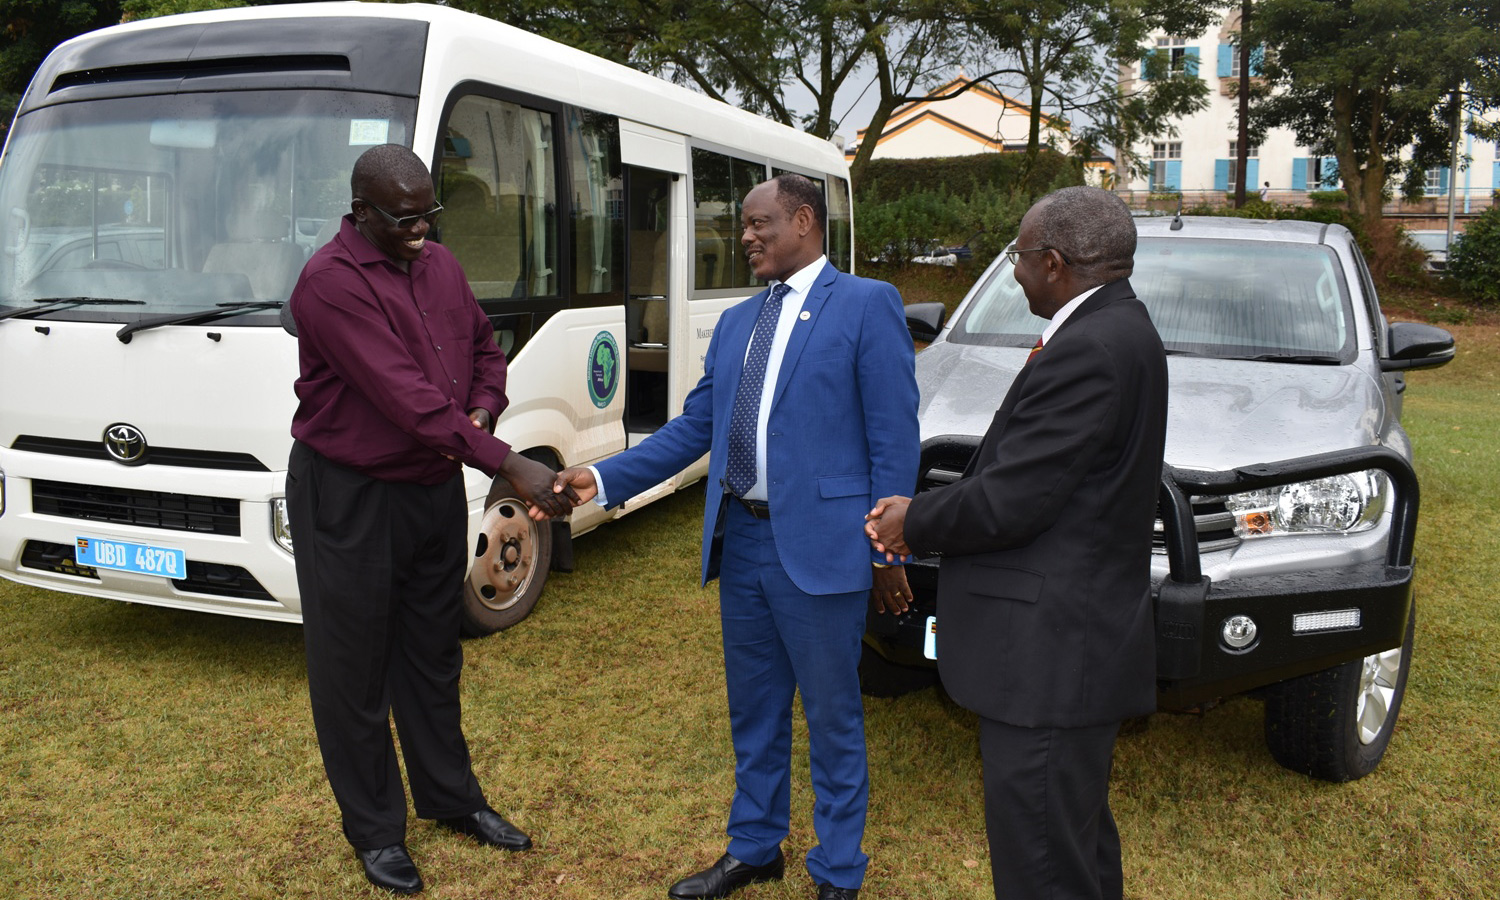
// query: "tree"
[[1066, 55], [747, 52], [1363, 80]]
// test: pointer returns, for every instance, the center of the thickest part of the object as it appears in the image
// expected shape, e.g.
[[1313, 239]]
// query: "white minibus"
[[163, 184]]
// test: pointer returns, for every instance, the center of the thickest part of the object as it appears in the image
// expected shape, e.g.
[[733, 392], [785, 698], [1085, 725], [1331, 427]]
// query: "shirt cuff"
[[599, 497]]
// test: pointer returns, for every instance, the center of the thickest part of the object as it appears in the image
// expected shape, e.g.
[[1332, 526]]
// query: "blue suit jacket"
[[842, 431]]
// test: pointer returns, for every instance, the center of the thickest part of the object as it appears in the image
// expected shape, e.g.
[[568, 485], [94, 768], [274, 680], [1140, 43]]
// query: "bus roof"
[[461, 47]]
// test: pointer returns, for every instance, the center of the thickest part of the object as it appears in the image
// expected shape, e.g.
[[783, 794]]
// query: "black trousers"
[[380, 566], [1046, 810]]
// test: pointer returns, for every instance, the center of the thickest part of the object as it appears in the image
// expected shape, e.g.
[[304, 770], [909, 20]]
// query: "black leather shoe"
[[487, 827], [391, 868], [829, 892], [725, 877]]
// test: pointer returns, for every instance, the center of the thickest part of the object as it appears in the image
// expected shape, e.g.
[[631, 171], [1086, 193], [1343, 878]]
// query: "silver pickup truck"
[[1283, 564]]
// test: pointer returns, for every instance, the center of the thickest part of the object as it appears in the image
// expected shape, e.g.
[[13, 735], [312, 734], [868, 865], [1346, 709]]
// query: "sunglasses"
[[1013, 255], [405, 222]]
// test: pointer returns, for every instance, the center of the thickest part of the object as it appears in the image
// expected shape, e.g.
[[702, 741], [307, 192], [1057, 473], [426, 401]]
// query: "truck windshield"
[[180, 201], [1226, 299]]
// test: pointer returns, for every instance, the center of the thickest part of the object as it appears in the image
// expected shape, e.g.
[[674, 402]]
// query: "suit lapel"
[[812, 305], [730, 363]]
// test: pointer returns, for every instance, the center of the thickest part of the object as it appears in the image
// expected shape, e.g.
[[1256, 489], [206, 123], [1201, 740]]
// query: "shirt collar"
[[364, 252], [801, 281], [1061, 316]]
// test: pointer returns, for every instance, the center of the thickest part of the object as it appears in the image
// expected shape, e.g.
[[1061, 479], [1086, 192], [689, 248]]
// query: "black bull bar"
[[1194, 664]]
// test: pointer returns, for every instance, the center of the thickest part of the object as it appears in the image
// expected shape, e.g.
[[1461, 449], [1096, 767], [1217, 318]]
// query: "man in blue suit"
[[808, 411]]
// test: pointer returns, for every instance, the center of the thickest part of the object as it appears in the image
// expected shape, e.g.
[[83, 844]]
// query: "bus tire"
[[512, 556]]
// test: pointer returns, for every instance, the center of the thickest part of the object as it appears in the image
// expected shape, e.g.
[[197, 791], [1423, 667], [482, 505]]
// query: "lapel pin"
[[805, 315]]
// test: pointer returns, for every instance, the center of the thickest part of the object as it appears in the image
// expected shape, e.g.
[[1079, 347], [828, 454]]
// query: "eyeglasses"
[[405, 222], [1013, 255]]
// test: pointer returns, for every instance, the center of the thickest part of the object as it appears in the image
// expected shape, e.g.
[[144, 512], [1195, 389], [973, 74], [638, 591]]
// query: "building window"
[[1436, 182], [1234, 150], [1176, 49], [1166, 162]]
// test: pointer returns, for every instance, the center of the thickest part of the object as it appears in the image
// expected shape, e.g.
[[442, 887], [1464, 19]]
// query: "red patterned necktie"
[[1034, 351]]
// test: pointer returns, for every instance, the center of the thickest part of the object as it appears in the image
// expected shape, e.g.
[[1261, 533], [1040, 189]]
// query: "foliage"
[[1066, 55], [1362, 80], [1474, 258], [904, 206]]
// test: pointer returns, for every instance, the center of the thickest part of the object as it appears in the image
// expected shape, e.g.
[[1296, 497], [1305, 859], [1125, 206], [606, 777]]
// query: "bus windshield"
[[182, 202]]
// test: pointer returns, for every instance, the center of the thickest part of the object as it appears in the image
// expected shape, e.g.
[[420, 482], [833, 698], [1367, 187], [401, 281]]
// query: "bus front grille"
[[145, 509]]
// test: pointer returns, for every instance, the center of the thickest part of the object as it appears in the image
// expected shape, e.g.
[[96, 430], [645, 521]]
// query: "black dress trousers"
[[380, 566]]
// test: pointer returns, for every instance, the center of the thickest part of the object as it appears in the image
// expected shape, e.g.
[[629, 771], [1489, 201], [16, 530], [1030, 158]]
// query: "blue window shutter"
[[1226, 59], [1145, 59], [1495, 177], [1257, 56], [1299, 173], [1174, 175], [1443, 180], [1221, 174], [1252, 176], [1330, 173], [1190, 61]]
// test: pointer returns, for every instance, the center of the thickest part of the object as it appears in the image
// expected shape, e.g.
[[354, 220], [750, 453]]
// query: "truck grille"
[[1214, 522], [145, 509]]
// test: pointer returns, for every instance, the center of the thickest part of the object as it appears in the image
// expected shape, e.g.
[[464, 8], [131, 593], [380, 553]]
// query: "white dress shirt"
[[799, 284]]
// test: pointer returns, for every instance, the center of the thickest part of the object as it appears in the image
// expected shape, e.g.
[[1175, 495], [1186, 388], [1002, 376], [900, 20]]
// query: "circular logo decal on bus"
[[604, 369], [125, 444]]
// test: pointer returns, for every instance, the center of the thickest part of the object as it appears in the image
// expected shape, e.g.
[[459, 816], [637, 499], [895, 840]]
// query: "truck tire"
[[879, 677], [512, 556], [1335, 725]]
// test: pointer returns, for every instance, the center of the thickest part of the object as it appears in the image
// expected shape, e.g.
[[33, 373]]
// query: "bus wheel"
[[511, 559]]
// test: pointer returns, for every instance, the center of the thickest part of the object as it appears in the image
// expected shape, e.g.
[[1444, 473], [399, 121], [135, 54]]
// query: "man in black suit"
[[1044, 590]]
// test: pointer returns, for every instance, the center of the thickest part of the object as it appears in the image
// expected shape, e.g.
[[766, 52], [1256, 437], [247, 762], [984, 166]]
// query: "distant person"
[[808, 411], [1044, 590], [401, 381], [1265, 191]]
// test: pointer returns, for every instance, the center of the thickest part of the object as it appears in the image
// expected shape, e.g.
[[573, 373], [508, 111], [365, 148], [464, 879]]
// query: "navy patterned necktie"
[[739, 469]]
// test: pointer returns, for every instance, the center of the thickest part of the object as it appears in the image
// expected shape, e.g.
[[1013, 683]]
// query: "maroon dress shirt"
[[391, 361]]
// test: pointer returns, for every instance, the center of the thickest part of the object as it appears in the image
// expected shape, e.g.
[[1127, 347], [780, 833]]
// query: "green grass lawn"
[[151, 753]]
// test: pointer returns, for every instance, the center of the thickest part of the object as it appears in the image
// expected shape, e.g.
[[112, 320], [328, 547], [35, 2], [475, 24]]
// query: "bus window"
[[499, 194], [719, 187], [598, 200], [840, 225]]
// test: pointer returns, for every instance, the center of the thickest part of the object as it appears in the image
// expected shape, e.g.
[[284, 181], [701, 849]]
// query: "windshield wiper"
[[1315, 358], [48, 304], [219, 311]]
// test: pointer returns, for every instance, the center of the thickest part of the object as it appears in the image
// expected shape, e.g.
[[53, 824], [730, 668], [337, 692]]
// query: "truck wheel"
[[1335, 725], [511, 558], [879, 677]]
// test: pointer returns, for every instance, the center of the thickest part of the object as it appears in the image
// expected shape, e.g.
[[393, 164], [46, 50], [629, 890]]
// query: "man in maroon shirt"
[[401, 382]]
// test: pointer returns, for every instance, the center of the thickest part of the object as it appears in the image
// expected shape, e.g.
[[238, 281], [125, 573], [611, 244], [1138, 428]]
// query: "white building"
[[1198, 162]]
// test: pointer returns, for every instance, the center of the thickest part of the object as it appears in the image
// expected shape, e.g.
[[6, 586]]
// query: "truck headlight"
[[1342, 504], [281, 527]]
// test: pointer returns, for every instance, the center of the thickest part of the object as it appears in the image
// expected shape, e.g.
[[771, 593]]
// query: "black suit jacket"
[[1044, 592]]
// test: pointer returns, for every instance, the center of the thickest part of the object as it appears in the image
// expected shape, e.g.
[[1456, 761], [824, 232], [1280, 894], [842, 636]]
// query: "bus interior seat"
[[258, 249], [646, 313], [485, 237]]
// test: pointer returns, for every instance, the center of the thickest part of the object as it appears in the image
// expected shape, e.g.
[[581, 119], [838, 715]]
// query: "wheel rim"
[[1377, 690], [505, 556]]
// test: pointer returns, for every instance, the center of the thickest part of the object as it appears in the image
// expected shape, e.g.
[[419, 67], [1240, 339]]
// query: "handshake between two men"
[[884, 526]]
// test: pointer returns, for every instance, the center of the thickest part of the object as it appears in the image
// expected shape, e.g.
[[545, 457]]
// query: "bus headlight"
[[281, 527], [1343, 504]]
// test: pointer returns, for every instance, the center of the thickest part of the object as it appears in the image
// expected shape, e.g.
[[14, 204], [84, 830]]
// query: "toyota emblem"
[[125, 444]]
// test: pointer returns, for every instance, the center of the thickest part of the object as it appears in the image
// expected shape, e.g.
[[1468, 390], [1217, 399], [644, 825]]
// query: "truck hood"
[[1222, 414]]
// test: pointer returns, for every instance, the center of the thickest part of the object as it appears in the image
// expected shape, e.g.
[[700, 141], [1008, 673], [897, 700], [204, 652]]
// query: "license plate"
[[929, 646], [122, 556]]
